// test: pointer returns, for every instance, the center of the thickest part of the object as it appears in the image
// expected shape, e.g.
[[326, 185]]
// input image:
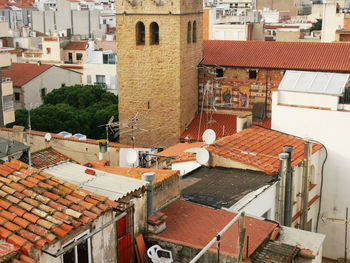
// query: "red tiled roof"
[[37, 208], [259, 147], [278, 55], [6, 249], [76, 45], [344, 30], [48, 157], [279, 26], [265, 124], [194, 225], [180, 148], [222, 124], [21, 73], [161, 174]]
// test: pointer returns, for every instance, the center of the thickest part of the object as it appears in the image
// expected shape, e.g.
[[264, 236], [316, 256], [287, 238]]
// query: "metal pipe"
[[282, 189], [201, 253], [149, 177], [74, 244], [306, 184], [346, 236], [288, 189]]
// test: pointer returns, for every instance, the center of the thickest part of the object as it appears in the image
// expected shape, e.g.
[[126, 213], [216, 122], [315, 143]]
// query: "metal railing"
[[345, 99]]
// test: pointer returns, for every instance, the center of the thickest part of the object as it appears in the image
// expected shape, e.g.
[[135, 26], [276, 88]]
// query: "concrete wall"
[[332, 129], [51, 79], [140, 214], [103, 244], [165, 191], [79, 151], [278, 5], [287, 36], [230, 32], [331, 22], [185, 167], [108, 70]]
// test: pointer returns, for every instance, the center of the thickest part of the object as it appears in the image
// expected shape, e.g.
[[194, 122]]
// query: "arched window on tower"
[[194, 32], [140, 33], [154, 33], [189, 32]]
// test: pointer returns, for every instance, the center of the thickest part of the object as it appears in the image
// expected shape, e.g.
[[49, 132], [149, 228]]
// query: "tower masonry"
[[159, 45]]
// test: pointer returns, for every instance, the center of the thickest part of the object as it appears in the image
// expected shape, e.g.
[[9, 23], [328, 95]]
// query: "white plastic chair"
[[152, 253]]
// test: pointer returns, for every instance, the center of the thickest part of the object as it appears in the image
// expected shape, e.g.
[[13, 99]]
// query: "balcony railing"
[[103, 85], [345, 99]]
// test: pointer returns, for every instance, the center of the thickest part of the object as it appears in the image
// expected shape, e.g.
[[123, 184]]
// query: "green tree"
[[317, 25], [76, 109]]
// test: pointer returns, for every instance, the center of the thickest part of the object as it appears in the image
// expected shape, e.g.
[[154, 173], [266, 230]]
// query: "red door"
[[124, 240]]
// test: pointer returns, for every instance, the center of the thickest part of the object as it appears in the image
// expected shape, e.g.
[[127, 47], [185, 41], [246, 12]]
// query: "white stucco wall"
[[51, 79], [331, 21], [258, 202], [230, 32], [332, 128], [185, 167]]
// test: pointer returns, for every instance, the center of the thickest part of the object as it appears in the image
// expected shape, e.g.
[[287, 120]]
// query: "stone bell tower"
[[159, 45]]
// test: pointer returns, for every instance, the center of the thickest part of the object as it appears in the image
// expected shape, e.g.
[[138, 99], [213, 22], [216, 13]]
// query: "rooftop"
[[47, 157], [113, 186], [278, 55], [8, 147], [221, 187], [76, 45], [180, 151], [37, 208], [222, 124], [194, 225], [21, 73], [259, 147], [136, 173]]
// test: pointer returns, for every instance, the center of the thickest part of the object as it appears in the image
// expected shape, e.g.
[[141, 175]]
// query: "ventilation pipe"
[[282, 189], [306, 183], [243, 121], [149, 177], [288, 189]]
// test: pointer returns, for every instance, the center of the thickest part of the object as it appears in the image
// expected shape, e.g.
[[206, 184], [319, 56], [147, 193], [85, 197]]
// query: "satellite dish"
[[48, 137], [202, 156], [209, 136], [131, 156]]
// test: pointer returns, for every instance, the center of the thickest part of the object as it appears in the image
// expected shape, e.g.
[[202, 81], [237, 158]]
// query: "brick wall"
[[236, 92], [157, 81]]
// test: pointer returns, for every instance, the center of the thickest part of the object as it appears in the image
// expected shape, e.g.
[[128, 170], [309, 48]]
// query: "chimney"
[[282, 189], [243, 121], [288, 187], [149, 177]]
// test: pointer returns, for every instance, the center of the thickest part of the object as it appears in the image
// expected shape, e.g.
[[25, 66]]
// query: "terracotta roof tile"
[[21, 73], [31, 213], [259, 147], [6, 249], [278, 55], [76, 45], [48, 157]]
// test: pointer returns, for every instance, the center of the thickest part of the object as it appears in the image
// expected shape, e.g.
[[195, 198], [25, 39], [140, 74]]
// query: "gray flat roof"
[[8, 147], [221, 187]]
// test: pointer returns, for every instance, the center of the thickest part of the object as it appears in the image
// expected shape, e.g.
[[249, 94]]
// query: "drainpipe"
[[282, 189], [149, 177], [306, 183], [288, 190]]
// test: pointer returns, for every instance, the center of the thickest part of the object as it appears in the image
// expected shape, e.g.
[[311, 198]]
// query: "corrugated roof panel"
[[314, 82], [110, 185]]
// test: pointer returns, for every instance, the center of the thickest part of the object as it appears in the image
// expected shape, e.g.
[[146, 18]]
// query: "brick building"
[[159, 47], [237, 74]]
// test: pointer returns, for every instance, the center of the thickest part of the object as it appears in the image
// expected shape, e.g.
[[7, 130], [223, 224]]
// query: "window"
[[154, 33], [194, 34], [189, 32], [108, 58], [88, 79], [80, 253], [101, 80], [252, 74], [219, 72], [70, 57], [17, 96], [140, 33], [43, 92], [79, 56], [48, 50]]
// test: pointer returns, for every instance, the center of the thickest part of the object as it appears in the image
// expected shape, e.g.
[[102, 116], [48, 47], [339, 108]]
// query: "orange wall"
[[206, 24]]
